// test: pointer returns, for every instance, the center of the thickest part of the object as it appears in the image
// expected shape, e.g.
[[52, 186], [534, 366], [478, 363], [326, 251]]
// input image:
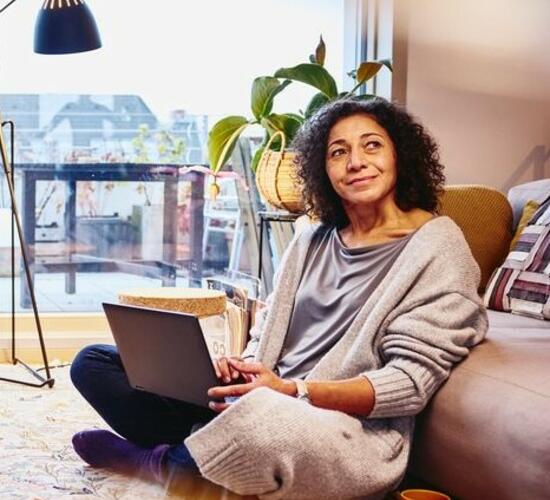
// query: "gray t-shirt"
[[336, 282]]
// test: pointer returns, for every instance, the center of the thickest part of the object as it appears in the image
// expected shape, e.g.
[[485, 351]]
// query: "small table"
[[71, 173], [200, 302]]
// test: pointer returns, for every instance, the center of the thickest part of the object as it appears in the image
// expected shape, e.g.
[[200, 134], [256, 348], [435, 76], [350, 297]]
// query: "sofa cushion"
[[519, 195], [522, 284], [486, 433], [485, 217]]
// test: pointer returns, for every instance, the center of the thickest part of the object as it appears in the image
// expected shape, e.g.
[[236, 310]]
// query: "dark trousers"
[[143, 418]]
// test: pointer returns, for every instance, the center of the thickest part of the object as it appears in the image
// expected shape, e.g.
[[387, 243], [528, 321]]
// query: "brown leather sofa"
[[486, 433]]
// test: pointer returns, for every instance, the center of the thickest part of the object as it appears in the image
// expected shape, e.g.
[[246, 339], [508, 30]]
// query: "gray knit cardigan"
[[419, 322]]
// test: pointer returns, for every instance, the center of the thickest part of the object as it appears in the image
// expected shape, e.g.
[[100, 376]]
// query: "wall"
[[477, 74]]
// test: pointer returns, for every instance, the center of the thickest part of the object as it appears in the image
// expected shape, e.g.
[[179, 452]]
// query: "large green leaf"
[[296, 116], [222, 139], [312, 74], [264, 90], [316, 102], [287, 123], [366, 71]]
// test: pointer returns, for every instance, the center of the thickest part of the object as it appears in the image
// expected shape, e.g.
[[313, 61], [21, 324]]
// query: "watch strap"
[[302, 392]]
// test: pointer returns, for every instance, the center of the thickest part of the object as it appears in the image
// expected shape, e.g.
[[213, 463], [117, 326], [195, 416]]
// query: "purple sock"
[[104, 449]]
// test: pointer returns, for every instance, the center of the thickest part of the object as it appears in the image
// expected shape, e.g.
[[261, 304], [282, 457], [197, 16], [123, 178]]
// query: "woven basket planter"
[[276, 177]]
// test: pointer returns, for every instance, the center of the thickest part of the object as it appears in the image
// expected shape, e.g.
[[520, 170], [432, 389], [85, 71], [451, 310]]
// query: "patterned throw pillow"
[[522, 284], [528, 211]]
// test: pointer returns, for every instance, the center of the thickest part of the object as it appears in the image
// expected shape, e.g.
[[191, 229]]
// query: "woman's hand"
[[256, 375], [224, 371]]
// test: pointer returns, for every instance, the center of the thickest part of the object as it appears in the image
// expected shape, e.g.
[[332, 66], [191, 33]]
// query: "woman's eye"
[[373, 145], [337, 152]]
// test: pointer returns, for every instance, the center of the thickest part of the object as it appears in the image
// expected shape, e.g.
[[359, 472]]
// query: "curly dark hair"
[[420, 175]]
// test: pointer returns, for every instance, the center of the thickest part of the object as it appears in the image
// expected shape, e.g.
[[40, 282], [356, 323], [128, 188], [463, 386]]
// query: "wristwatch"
[[301, 390]]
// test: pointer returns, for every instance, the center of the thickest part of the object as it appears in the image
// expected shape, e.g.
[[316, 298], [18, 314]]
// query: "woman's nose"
[[357, 159]]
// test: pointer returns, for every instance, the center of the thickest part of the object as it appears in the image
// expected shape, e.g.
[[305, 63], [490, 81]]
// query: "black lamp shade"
[[65, 27]]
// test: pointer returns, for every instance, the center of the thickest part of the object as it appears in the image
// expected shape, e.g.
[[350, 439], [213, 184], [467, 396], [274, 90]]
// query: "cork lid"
[[198, 301]]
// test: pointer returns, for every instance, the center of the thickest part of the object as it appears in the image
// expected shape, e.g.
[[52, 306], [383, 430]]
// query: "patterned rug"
[[37, 460]]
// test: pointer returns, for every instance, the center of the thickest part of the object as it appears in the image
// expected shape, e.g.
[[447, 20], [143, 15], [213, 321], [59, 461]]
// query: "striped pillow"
[[522, 284]]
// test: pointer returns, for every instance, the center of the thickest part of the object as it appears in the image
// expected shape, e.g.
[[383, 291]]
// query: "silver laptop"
[[163, 352]]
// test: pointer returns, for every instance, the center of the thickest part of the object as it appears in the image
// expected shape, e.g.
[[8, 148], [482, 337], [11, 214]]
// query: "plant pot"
[[276, 178]]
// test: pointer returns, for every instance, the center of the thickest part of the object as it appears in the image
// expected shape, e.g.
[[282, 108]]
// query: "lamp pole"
[[7, 167]]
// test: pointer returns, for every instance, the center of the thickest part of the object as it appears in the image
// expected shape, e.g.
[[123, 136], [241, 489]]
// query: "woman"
[[370, 311]]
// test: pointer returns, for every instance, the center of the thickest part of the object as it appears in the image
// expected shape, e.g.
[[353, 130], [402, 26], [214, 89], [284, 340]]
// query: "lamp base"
[[42, 381]]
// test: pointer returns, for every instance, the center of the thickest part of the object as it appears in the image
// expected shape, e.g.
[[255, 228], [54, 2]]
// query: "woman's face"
[[361, 161]]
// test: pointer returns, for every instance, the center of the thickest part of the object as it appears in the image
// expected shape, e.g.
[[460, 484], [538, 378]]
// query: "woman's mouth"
[[362, 180]]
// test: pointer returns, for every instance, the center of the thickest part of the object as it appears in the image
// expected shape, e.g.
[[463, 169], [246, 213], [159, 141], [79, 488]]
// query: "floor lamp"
[[62, 27]]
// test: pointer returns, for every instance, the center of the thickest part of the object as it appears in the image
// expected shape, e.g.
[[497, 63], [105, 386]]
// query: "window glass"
[[111, 167]]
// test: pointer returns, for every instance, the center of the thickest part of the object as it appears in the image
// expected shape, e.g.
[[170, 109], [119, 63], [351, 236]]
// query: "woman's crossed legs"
[[153, 426]]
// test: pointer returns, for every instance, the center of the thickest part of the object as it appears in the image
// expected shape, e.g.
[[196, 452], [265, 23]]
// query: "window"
[[97, 135]]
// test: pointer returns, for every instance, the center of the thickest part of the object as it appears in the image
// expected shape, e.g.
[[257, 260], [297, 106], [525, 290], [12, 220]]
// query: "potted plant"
[[272, 162]]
